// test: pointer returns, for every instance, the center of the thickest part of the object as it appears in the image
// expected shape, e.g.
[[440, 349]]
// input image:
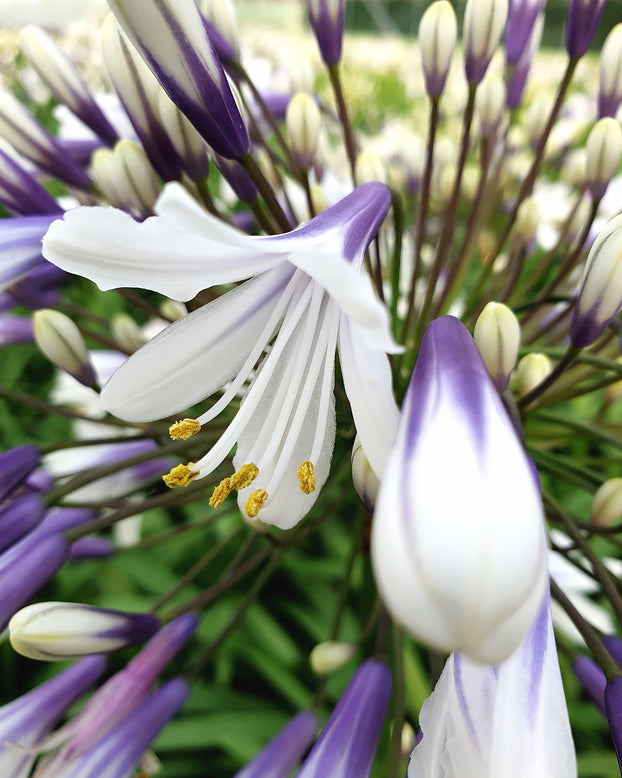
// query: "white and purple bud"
[[600, 294], [19, 517], [64, 81], [607, 503], [458, 540], [61, 341], [508, 719], [484, 21], [438, 30], [304, 122], [497, 337], [516, 74], [126, 178], [21, 193], [326, 17], [20, 247], [223, 20], [126, 332], [25, 721], [603, 149], [348, 742], [519, 30], [366, 482], [581, 23], [174, 42], [531, 371], [490, 105], [237, 178], [189, 145], [56, 631], [610, 82], [16, 465], [368, 168], [284, 751], [526, 224], [330, 655]]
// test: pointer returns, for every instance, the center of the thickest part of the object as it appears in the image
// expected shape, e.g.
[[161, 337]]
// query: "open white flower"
[[305, 286]]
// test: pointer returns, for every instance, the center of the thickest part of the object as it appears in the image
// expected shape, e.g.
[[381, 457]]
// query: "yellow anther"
[[220, 493], [306, 477], [184, 429], [181, 475], [255, 502], [245, 476]]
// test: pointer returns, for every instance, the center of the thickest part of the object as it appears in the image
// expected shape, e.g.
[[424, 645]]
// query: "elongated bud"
[[326, 17], [527, 220], [64, 81], [62, 343], [531, 371], [610, 83], [603, 153], [126, 178], [607, 503], [54, 631], [484, 21], [303, 121], [613, 709], [600, 295], [329, 656], [126, 332], [581, 23], [16, 465], [521, 20], [490, 105], [516, 73], [366, 482], [18, 517], [368, 168], [223, 16], [21, 192], [497, 337], [438, 31], [189, 145], [591, 678]]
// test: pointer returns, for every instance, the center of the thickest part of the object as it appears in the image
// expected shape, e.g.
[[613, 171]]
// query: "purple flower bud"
[[284, 751], [521, 19], [591, 678], [15, 465], [326, 17], [20, 246], [18, 518], [237, 178], [614, 646], [21, 193], [25, 721], [518, 71], [348, 742], [613, 709], [484, 21], [91, 547], [581, 24], [15, 329]]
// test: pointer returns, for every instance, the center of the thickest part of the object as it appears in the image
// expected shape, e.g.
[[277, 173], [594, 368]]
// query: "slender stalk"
[[399, 706], [344, 119], [265, 190]]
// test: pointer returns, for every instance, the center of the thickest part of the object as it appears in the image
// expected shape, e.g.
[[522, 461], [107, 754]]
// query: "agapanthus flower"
[[305, 285]]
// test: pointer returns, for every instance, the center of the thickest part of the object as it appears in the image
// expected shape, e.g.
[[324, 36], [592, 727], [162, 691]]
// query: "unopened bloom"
[[326, 17], [510, 719], [305, 285], [581, 23], [610, 80], [438, 30], [522, 17], [607, 503], [497, 337], [613, 709], [603, 151], [484, 21], [16, 464], [61, 341], [458, 541]]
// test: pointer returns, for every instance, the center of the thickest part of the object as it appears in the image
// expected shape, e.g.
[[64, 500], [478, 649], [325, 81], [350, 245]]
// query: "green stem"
[[344, 119], [265, 190]]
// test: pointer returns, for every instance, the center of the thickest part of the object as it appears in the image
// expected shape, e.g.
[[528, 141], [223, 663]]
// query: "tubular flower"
[[458, 541], [305, 285]]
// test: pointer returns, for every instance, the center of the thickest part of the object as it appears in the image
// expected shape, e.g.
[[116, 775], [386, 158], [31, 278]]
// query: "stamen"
[[245, 476], [220, 493], [255, 502], [184, 429], [180, 475], [306, 477]]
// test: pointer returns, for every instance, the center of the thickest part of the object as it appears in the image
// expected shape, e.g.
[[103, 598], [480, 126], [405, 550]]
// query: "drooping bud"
[[56, 631], [531, 371], [62, 343], [607, 503], [330, 655], [304, 121], [438, 30], [484, 21], [600, 294], [366, 482], [497, 337], [610, 83], [581, 23], [603, 153], [326, 17]]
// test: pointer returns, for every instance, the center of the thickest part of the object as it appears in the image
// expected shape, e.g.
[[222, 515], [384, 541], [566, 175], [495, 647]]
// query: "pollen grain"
[[255, 502], [244, 476], [306, 477], [184, 429], [180, 475], [221, 492]]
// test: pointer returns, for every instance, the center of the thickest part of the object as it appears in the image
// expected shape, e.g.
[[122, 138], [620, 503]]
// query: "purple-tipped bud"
[[517, 72], [18, 518], [22, 193], [614, 646], [56, 631], [326, 17], [237, 178], [484, 21], [438, 30], [26, 720], [173, 40], [16, 464], [20, 246], [591, 678], [613, 709], [610, 81], [348, 742], [284, 751], [522, 16], [581, 23], [61, 341]]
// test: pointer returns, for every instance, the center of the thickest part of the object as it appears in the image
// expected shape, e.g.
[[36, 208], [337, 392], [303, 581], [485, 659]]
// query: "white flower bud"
[[366, 482], [438, 30], [187, 142], [527, 220], [304, 121], [603, 153], [497, 337], [318, 198], [536, 119], [222, 14], [369, 168], [610, 91], [126, 178], [607, 503], [173, 310], [484, 21], [126, 332], [490, 104], [329, 656], [531, 371], [62, 343]]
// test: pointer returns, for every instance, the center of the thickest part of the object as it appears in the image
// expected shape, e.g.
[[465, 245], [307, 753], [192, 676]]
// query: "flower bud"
[[497, 337], [536, 118], [516, 73], [126, 332], [318, 198], [600, 294], [303, 121], [16, 465], [531, 371], [521, 20], [330, 655], [581, 23], [222, 14], [438, 30], [527, 220], [613, 709], [603, 153], [610, 83], [490, 104], [366, 482], [484, 21], [369, 168], [326, 17], [189, 145], [607, 503], [62, 343], [55, 631]]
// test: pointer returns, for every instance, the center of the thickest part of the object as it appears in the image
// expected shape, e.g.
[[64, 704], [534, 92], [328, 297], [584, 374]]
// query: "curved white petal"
[[368, 384], [196, 355]]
